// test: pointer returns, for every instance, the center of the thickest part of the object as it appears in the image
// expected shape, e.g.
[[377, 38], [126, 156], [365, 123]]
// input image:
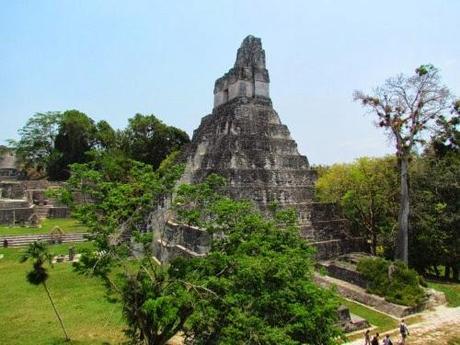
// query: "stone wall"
[[192, 241], [180, 239], [11, 204], [59, 212], [333, 248], [12, 190], [20, 199], [16, 215]]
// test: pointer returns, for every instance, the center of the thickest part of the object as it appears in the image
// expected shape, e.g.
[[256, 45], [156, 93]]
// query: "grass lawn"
[[451, 290], [27, 316], [382, 322], [379, 320], [66, 224]]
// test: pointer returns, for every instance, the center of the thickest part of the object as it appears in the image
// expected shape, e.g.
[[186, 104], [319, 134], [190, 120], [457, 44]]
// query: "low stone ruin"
[[342, 274], [350, 322], [26, 203]]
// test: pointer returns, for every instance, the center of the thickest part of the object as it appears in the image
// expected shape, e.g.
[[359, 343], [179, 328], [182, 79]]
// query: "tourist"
[[387, 340], [367, 337], [375, 339], [404, 331]]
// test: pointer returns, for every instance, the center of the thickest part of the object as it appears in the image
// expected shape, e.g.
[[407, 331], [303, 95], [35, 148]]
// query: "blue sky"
[[112, 59]]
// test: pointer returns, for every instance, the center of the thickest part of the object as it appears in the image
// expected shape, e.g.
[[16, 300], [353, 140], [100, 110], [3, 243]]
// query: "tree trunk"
[[436, 270], [455, 273], [55, 310], [402, 247], [374, 243], [447, 272]]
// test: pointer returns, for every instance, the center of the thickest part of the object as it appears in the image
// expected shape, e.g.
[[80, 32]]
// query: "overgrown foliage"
[[254, 287], [392, 280], [367, 191], [259, 273]]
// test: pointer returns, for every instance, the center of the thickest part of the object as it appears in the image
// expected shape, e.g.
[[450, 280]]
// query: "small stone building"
[[8, 164]]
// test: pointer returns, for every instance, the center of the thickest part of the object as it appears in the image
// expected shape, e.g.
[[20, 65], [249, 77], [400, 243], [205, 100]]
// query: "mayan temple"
[[244, 140]]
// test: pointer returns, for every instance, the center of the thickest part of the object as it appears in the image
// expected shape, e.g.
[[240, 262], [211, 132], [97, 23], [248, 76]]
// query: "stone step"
[[20, 238], [18, 241]]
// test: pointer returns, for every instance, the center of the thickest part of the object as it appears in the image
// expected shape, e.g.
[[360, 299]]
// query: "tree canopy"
[[50, 142], [367, 191], [149, 140], [255, 286], [259, 272]]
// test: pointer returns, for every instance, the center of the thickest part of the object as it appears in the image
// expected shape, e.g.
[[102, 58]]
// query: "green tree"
[[106, 136], [367, 193], [436, 199], [155, 306], [38, 253], [405, 107], [256, 285], [392, 280], [76, 136], [258, 275], [37, 140], [116, 207], [149, 140]]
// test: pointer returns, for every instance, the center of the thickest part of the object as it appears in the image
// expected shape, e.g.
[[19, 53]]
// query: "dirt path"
[[437, 327]]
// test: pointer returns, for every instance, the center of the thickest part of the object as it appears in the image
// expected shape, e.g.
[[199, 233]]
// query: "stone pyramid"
[[244, 140]]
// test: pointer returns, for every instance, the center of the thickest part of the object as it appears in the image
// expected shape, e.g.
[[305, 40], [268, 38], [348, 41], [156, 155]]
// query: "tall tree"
[[76, 136], [106, 136], [38, 253], [37, 140], [149, 140], [155, 305], [406, 107]]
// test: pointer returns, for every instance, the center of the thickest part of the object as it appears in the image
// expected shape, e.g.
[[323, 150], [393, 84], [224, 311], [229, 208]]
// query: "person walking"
[[404, 331], [387, 340], [367, 337], [375, 339]]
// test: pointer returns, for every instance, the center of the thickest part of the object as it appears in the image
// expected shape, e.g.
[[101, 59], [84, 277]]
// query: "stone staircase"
[[24, 240], [41, 211]]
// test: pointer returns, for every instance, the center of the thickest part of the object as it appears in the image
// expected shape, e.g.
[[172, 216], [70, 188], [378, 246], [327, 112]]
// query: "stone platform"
[[342, 273]]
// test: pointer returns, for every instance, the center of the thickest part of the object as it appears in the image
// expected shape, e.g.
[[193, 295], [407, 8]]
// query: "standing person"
[[387, 340], [367, 337], [375, 339], [404, 331]]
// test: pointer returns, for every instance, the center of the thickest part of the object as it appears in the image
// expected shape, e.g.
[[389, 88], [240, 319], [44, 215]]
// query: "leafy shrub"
[[392, 280]]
